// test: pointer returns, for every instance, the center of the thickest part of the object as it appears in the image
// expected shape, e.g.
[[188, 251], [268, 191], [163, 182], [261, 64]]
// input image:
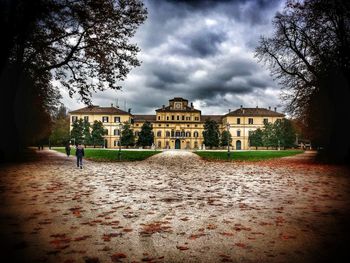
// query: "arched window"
[[188, 134], [195, 134], [177, 133], [159, 144], [167, 133], [183, 134], [159, 133]]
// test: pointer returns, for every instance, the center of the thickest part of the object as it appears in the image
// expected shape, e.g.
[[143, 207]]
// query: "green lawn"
[[247, 155], [103, 155]]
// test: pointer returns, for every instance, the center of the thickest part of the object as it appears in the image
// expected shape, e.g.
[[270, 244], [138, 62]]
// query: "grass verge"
[[247, 155], [103, 155]]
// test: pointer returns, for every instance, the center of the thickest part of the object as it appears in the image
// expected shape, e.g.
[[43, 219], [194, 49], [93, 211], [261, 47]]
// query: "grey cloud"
[[175, 53]]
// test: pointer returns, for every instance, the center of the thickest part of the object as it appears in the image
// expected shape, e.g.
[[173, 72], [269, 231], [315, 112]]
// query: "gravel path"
[[173, 207]]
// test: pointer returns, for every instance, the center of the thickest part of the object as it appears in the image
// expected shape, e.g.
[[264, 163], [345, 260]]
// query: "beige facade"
[[179, 125]]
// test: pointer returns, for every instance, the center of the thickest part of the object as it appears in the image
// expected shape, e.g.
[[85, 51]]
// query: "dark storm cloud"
[[200, 50]]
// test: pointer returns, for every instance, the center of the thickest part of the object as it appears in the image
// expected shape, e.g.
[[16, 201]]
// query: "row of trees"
[[87, 134], [278, 134]]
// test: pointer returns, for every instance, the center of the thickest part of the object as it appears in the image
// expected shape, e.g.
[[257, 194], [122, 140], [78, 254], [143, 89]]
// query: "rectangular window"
[[116, 119], [188, 118], [104, 118], [86, 118], [74, 118], [158, 118], [250, 121], [167, 118], [183, 117], [196, 118], [172, 117], [238, 133], [266, 120], [238, 120], [178, 117], [116, 132]]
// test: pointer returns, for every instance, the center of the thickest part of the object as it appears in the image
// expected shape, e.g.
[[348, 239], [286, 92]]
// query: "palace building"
[[178, 125]]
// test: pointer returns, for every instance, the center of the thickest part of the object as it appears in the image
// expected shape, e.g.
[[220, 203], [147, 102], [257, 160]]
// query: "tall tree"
[[269, 137], [146, 136], [69, 41], [127, 136], [211, 134], [285, 133], [309, 54], [86, 133], [97, 133], [256, 138], [60, 130], [76, 134], [226, 138]]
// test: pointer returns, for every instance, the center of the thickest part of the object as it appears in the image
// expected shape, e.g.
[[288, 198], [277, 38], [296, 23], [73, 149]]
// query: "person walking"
[[67, 149], [79, 152]]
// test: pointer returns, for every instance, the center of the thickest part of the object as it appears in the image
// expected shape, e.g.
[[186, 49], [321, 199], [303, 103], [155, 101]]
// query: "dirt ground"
[[174, 207]]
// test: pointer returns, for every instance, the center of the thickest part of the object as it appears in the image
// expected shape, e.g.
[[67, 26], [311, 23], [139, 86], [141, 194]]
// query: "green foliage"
[[225, 138], [76, 133], [86, 133], [97, 133], [285, 133], [211, 133], [279, 134], [127, 136], [60, 132], [256, 138], [146, 137]]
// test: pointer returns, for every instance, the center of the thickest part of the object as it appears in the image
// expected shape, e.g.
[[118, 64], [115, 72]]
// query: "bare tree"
[[309, 54]]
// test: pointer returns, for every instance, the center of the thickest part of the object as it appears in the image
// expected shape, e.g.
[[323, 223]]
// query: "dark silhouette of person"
[[67, 149], [79, 153]]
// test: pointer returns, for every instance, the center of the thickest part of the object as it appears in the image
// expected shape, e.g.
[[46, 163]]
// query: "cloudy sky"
[[200, 50]]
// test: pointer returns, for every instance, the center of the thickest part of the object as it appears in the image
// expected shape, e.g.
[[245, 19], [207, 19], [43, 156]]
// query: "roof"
[[178, 99], [216, 118], [99, 110], [149, 118], [259, 112], [186, 109]]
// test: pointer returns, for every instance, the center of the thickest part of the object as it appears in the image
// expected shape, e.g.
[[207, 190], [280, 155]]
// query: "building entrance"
[[177, 144], [238, 145]]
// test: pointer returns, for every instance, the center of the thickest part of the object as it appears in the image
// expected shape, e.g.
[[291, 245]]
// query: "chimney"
[[191, 105], [129, 110], [163, 107], [241, 106], [257, 107], [112, 105], [229, 110], [269, 107], [275, 108]]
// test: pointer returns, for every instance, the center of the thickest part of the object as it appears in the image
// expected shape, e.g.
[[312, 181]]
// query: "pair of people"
[[79, 153]]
